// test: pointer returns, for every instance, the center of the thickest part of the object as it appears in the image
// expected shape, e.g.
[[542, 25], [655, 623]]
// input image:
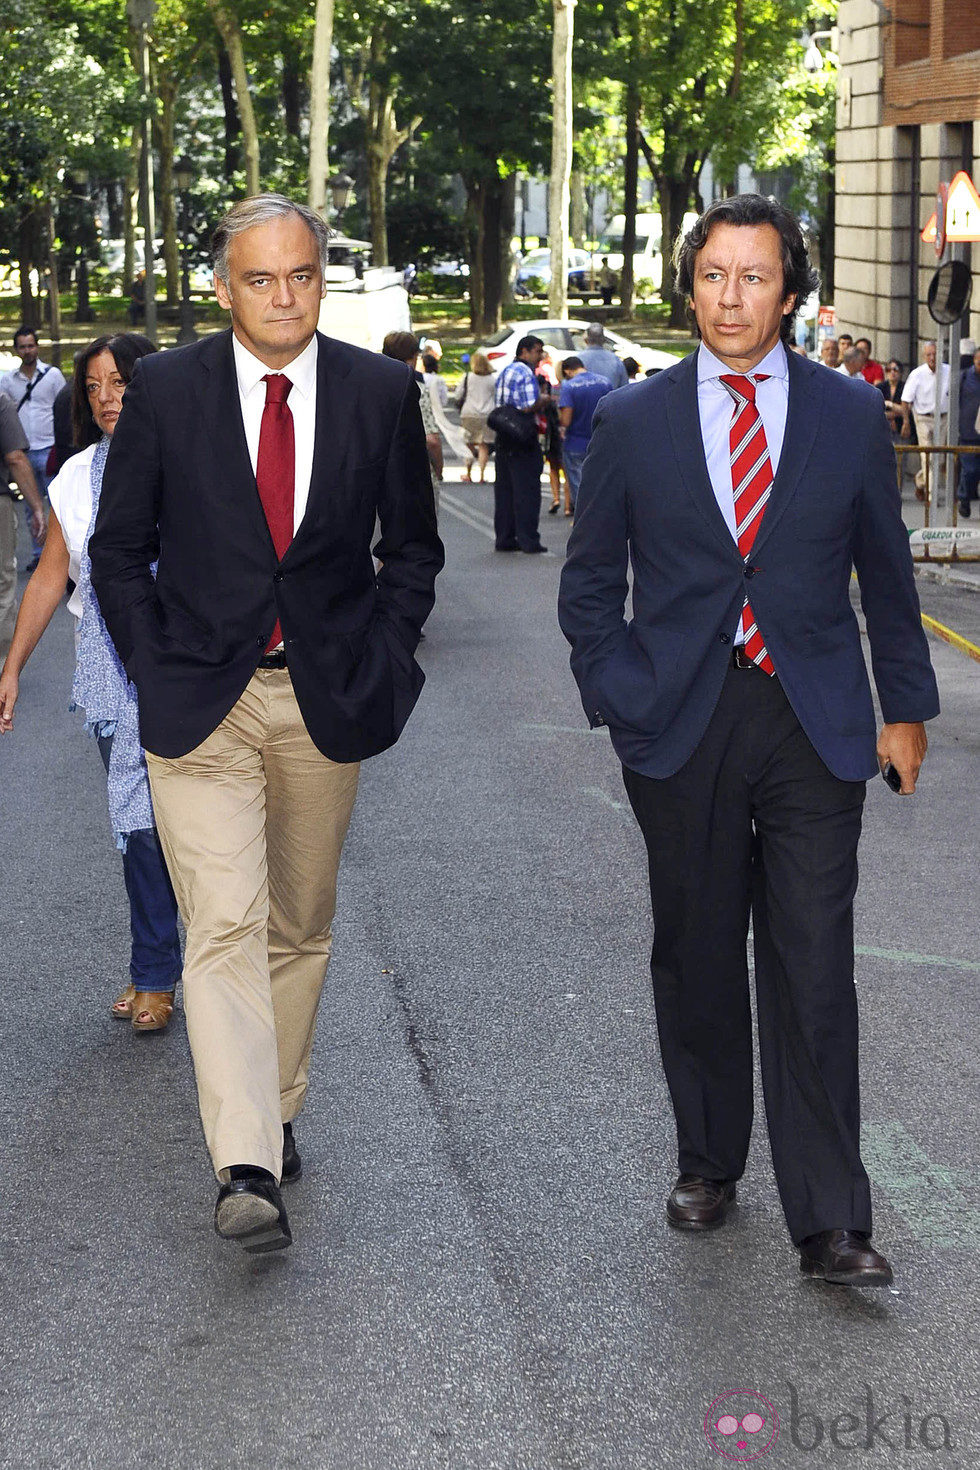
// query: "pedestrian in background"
[[100, 684], [271, 657], [517, 485], [33, 387], [919, 406], [16, 467], [969, 434], [599, 359], [633, 369], [851, 363], [830, 352], [872, 372], [549, 428], [581, 393], [608, 280], [474, 399]]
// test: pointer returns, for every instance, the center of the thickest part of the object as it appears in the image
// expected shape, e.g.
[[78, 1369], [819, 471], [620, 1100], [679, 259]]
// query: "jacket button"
[[261, 642], [750, 571], [723, 638], [277, 577]]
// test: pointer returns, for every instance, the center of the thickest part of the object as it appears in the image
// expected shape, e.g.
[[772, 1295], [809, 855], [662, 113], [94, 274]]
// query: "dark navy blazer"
[[179, 489], [646, 499]]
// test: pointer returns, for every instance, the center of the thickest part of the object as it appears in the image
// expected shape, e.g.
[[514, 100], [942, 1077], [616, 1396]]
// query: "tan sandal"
[[157, 1006], [122, 1006]]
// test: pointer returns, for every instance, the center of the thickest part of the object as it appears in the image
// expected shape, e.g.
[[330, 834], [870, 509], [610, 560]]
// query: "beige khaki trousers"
[[8, 572], [252, 824], [925, 428]]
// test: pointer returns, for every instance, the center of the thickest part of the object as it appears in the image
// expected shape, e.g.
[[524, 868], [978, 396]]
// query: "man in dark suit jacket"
[[269, 656], [738, 703]]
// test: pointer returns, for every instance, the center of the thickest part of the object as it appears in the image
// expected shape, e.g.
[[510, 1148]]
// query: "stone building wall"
[[907, 100]]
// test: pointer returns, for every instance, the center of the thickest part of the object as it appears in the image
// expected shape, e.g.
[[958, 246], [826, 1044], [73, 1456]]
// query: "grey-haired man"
[[269, 656]]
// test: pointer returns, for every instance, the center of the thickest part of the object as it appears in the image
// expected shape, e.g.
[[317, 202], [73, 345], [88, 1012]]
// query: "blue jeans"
[[38, 458], [573, 461], [155, 962], [969, 486]]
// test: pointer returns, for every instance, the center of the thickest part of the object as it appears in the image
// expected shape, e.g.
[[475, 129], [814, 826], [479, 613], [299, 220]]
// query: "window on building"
[[961, 27]]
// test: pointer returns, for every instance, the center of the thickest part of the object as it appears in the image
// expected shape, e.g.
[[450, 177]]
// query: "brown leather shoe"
[[844, 1258], [700, 1204]]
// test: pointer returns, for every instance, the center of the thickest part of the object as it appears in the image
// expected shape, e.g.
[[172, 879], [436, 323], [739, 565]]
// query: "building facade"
[[908, 117]]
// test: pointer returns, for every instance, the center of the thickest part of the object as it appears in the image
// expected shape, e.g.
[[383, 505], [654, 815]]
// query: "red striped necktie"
[[751, 484]]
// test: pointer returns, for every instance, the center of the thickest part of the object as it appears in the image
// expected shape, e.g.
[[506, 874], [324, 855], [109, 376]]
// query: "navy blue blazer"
[[646, 499], [179, 489]]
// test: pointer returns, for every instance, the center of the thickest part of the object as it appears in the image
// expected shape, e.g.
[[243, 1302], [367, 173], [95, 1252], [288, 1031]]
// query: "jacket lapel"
[[806, 395], [335, 398], [684, 423], [226, 431]]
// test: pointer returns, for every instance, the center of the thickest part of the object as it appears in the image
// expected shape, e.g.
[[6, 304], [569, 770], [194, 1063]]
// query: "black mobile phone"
[[892, 777]]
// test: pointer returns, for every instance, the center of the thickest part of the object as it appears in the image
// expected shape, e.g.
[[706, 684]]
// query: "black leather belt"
[[274, 660], [740, 659]]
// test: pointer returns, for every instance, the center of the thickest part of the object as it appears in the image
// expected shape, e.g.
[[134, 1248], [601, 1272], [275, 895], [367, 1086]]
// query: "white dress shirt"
[[70, 493], [716, 407], [920, 390], [37, 414], [301, 372]]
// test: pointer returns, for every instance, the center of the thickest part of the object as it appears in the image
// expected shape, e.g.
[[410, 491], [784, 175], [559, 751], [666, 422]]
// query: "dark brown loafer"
[[700, 1204], [844, 1258]]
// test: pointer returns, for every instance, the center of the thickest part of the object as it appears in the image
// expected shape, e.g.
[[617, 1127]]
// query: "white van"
[[647, 257]]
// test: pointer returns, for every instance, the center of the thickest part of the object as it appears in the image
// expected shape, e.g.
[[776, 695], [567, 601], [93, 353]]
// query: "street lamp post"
[[184, 177], [340, 187], [141, 13]]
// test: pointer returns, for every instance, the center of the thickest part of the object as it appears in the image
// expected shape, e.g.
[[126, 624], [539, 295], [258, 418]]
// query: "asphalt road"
[[482, 1278]]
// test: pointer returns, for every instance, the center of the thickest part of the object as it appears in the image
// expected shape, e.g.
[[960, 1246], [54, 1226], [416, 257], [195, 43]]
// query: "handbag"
[[517, 430], [461, 395]]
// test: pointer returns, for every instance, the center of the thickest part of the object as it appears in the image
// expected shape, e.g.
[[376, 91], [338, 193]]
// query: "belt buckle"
[[274, 660], [740, 659]]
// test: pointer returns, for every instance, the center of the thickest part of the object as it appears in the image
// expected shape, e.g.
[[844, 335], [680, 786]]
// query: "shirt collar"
[[774, 364], [301, 372]]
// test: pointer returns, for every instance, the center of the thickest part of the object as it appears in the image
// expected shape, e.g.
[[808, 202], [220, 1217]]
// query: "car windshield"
[[613, 244], [499, 337]]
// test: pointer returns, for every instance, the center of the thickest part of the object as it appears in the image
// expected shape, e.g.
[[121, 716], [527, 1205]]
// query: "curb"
[[950, 576]]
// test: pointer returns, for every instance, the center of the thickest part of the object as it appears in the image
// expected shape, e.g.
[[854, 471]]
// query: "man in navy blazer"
[[742, 485], [270, 658]]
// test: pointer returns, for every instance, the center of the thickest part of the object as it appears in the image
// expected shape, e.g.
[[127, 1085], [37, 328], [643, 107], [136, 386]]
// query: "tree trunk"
[[231, 33], [54, 298], [631, 171], [493, 271], [233, 126], [292, 90], [474, 243], [378, 201], [26, 239], [674, 195], [131, 189], [320, 107], [577, 227], [559, 192], [167, 92], [508, 221]]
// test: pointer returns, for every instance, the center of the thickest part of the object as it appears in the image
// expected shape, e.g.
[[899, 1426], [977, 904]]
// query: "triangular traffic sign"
[[963, 209], [929, 232]]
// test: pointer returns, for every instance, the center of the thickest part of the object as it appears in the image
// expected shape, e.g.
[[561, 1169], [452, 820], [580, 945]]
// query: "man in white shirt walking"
[[919, 401], [34, 386]]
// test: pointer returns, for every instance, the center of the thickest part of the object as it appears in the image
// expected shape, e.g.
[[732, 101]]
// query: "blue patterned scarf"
[[101, 688]]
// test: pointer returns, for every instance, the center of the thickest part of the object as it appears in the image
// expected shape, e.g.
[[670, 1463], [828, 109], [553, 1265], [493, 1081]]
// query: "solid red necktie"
[[275, 470], [751, 484]]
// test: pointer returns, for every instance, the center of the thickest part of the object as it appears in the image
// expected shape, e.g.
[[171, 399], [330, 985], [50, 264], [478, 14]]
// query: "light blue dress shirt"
[[715, 409]]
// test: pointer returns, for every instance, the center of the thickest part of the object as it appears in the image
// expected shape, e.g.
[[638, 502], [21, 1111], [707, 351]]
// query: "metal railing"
[[939, 465]]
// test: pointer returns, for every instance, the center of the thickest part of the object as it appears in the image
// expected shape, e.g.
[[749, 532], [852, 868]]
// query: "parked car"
[[534, 273], [564, 339]]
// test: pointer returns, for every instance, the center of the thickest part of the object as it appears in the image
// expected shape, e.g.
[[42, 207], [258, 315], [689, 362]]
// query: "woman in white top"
[[474, 399], [100, 685]]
